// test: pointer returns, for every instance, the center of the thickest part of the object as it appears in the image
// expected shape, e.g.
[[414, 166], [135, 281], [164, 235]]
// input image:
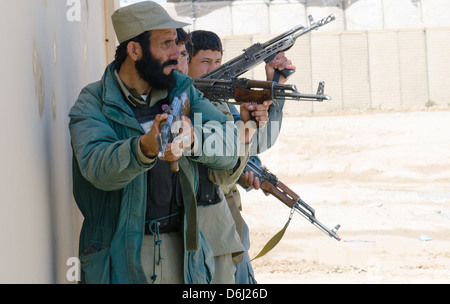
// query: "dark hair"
[[182, 36], [203, 40], [121, 51]]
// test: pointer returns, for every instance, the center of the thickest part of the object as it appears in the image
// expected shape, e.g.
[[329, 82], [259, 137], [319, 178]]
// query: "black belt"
[[170, 223]]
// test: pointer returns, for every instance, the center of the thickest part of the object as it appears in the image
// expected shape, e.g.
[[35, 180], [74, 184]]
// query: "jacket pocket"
[[96, 267], [200, 264]]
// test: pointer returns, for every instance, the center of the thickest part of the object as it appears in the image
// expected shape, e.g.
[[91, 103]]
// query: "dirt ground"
[[384, 177]]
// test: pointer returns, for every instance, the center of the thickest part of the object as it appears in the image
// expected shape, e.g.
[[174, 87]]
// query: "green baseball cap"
[[132, 20]]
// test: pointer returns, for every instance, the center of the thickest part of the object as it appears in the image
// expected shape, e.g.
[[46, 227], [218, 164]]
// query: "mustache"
[[169, 62], [152, 71]]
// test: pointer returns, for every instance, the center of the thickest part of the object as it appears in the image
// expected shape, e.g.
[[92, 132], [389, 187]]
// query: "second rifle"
[[265, 52], [271, 184], [242, 90]]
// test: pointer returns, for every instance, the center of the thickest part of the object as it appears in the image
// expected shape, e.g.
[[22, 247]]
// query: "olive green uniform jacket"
[[110, 182]]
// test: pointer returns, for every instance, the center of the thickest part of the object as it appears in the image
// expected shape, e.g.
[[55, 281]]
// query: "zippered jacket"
[[110, 182]]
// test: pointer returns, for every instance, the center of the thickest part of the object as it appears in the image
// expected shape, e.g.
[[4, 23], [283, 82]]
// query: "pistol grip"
[[286, 74], [276, 77]]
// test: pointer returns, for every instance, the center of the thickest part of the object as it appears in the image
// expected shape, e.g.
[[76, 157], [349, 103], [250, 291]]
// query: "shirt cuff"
[[142, 158]]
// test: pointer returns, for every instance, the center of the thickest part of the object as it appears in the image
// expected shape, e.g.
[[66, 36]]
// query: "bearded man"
[[140, 223]]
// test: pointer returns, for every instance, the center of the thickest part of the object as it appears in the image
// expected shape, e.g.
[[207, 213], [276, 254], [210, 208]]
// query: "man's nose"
[[175, 53]]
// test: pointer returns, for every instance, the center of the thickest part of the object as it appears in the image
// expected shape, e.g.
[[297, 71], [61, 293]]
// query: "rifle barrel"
[[284, 35], [304, 97], [311, 218], [315, 26]]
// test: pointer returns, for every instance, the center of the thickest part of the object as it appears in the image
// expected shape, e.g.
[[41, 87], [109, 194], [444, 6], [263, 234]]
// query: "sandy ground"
[[384, 177]]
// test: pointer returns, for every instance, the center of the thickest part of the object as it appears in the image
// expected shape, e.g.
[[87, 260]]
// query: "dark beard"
[[152, 72]]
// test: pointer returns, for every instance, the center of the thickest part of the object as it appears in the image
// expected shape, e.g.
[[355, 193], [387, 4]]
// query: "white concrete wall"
[[247, 17], [46, 58], [377, 54]]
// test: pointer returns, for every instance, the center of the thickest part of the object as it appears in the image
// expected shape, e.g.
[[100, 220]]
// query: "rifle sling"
[[266, 186], [274, 240], [190, 205]]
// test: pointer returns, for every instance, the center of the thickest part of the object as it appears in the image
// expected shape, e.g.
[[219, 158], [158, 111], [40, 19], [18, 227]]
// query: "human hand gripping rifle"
[[180, 106], [270, 183], [243, 90], [266, 52]]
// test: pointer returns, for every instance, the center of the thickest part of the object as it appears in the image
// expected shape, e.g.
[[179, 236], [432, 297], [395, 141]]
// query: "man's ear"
[[134, 50]]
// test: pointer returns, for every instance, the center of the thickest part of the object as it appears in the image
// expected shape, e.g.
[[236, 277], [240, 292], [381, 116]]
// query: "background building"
[[377, 54]]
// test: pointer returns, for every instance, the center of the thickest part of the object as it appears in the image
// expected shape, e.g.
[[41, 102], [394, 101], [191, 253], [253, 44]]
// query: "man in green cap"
[[140, 221]]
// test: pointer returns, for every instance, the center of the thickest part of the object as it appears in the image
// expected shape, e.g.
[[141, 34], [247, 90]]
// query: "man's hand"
[[248, 179], [280, 62], [257, 112], [174, 150], [252, 111], [184, 140], [149, 144]]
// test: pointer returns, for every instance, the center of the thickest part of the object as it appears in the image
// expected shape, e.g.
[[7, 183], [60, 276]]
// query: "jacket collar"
[[116, 107], [136, 100], [112, 95]]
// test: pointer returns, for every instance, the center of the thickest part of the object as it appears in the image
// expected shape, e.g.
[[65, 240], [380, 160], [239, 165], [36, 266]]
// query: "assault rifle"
[[179, 106], [245, 90], [271, 184], [258, 52]]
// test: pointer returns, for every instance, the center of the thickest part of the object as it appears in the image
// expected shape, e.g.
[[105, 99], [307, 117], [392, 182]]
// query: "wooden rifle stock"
[[281, 192]]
